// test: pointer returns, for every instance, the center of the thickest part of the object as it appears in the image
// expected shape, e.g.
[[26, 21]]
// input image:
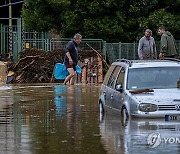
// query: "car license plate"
[[172, 117]]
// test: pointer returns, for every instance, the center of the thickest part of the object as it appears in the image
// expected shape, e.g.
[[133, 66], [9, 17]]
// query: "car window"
[[120, 79], [113, 76], [153, 78], [109, 72]]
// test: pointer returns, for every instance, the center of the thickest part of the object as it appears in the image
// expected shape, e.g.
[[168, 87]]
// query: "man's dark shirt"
[[72, 49]]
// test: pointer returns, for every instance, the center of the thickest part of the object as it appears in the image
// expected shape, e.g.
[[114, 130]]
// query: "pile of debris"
[[37, 66]]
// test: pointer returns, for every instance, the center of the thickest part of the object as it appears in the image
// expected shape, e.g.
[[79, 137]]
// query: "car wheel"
[[124, 116]]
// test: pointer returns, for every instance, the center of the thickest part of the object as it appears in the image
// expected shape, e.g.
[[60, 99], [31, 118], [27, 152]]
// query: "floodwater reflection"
[[132, 137], [50, 119], [6, 120]]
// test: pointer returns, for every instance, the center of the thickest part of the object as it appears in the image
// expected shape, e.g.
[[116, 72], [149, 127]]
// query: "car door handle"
[[112, 96]]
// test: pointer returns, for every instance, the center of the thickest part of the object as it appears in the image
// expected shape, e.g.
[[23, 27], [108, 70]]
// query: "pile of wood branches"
[[35, 66]]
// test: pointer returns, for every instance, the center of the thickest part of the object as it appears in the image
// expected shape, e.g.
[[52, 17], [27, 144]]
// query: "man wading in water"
[[71, 58]]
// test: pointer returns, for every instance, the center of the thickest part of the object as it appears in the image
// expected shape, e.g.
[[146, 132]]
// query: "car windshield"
[[153, 78]]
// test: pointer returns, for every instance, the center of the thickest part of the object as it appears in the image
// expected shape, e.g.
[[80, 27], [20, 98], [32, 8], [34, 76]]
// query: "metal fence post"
[[104, 49], [179, 48], [5, 41], [1, 36], [48, 45], [42, 38], [120, 51], [48, 42], [15, 46], [19, 39], [134, 54]]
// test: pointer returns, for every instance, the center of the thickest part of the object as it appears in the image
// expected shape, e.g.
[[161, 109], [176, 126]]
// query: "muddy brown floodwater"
[[58, 119], [47, 119]]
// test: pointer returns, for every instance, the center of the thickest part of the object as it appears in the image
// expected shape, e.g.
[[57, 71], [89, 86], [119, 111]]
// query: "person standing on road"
[[147, 46], [71, 58], [168, 47]]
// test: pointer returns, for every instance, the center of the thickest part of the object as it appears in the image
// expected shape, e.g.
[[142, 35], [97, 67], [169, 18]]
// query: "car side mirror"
[[119, 87]]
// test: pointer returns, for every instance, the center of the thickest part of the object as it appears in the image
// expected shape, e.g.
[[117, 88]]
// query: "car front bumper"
[[156, 114]]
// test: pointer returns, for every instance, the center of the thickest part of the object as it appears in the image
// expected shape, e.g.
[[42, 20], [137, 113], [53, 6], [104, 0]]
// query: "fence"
[[121, 50], [15, 39], [128, 50]]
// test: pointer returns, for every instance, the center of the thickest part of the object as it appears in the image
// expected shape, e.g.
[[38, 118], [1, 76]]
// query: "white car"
[[142, 88]]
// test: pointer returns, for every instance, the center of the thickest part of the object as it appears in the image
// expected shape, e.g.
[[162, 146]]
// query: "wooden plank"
[[84, 75], [88, 73], [96, 77], [92, 71]]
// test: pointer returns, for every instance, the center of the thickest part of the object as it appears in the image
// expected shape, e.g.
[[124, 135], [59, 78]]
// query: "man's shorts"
[[70, 66]]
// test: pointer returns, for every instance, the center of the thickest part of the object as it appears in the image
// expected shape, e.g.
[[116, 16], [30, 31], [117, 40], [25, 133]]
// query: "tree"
[[44, 15], [111, 20], [166, 14]]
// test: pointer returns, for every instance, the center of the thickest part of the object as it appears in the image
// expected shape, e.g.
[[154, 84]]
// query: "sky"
[[4, 11]]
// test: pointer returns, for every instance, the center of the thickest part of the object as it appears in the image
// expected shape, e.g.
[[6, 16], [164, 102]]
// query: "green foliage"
[[44, 15], [161, 17], [111, 20]]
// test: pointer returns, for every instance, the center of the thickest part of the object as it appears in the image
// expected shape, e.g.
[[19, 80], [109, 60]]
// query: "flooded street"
[[57, 119], [49, 119]]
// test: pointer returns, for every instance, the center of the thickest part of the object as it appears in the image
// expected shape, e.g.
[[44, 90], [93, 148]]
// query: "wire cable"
[[12, 3]]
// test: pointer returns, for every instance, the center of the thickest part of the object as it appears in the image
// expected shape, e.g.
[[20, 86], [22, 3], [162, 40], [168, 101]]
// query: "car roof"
[[148, 63]]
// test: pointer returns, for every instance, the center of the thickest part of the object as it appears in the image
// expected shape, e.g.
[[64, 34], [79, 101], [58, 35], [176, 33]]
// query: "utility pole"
[[10, 14], [10, 28]]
